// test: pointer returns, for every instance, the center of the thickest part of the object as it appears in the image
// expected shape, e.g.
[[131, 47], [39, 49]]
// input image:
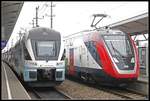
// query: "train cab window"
[[124, 56], [46, 48]]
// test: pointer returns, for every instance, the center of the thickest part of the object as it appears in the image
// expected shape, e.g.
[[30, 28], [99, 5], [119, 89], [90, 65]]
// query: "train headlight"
[[60, 74], [30, 75]]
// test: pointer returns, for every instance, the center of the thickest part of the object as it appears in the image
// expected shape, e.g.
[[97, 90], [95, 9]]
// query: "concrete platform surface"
[[11, 87]]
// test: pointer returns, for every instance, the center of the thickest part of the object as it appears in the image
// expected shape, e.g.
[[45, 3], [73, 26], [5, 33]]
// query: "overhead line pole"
[[51, 16], [36, 17], [32, 23]]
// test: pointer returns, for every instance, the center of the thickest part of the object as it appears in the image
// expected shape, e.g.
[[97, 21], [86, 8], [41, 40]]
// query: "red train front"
[[105, 56]]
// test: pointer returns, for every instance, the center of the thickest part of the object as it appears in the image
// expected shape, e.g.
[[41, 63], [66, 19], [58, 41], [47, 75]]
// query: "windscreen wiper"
[[115, 50]]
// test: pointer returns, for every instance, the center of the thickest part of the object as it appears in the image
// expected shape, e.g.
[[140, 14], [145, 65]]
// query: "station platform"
[[11, 87]]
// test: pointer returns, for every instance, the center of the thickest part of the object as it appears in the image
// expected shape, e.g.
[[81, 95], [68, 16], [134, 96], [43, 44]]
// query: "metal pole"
[[51, 16], [37, 16]]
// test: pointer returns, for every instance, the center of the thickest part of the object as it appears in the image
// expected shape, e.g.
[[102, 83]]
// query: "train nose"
[[47, 73]]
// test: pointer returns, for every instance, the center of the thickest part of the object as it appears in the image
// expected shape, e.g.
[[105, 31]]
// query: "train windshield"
[[46, 48], [121, 50]]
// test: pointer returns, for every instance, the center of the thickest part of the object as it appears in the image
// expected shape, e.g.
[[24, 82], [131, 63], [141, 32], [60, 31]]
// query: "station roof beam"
[[134, 26], [10, 12]]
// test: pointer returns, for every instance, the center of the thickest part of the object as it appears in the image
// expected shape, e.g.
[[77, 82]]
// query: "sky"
[[72, 17]]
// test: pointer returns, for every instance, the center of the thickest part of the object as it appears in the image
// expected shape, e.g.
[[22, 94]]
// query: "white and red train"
[[105, 55]]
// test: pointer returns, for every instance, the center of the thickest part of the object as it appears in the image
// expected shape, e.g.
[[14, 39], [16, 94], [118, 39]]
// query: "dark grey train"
[[38, 57]]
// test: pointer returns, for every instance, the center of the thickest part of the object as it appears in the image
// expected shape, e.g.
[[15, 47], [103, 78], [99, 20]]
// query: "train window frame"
[[58, 46], [127, 38], [54, 49], [121, 61]]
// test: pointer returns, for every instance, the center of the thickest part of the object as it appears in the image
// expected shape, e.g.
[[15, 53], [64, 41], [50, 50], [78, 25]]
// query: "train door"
[[71, 60]]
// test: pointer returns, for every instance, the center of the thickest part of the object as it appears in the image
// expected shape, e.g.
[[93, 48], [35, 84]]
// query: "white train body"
[[38, 57], [81, 55]]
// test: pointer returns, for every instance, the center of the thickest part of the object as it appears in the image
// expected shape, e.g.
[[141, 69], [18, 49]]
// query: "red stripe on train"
[[107, 63]]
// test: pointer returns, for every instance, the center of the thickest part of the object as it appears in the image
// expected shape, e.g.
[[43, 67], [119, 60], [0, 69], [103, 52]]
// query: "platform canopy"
[[10, 11], [133, 26]]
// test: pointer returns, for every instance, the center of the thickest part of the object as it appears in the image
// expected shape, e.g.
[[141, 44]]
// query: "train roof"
[[37, 32], [39, 29], [100, 30]]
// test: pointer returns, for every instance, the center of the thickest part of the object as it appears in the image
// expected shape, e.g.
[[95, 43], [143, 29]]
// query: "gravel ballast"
[[81, 91]]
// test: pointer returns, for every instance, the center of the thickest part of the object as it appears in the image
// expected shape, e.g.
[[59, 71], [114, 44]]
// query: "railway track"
[[53, 93], [124, 93], [65, 94], [48, 93], [119, 91]]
